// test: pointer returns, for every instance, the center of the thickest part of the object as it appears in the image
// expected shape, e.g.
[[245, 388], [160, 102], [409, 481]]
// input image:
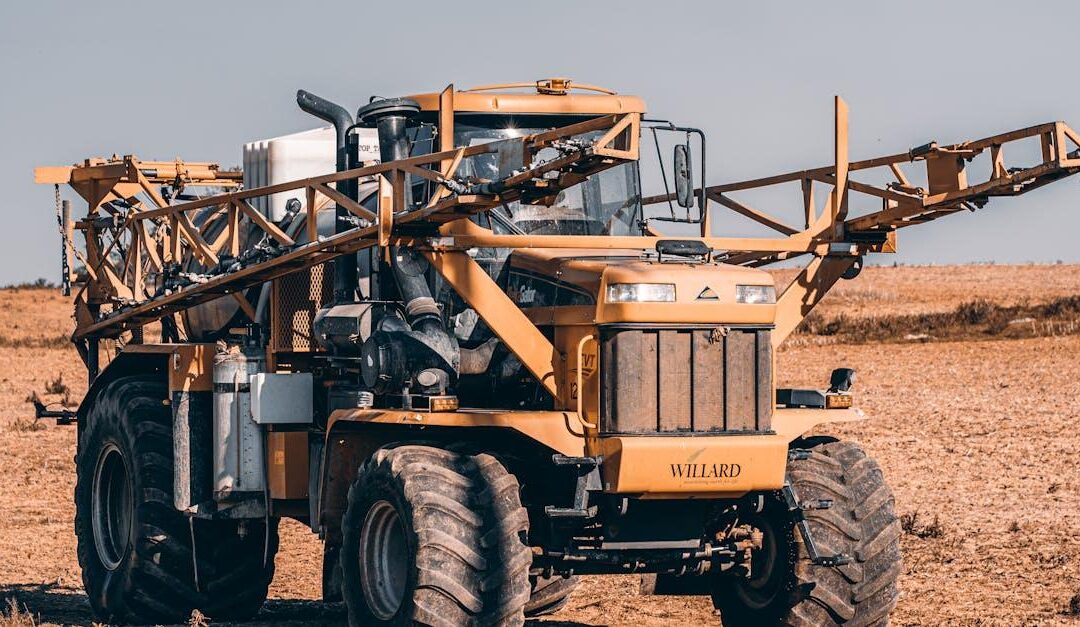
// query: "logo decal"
[[708, 294], [705, 471]]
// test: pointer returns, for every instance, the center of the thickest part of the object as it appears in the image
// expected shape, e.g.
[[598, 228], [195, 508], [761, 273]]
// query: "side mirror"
[[684, 179]]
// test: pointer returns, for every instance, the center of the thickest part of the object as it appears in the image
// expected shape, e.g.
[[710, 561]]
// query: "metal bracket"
[[797, 455], [62, 416], [797, 508], [588, 480]]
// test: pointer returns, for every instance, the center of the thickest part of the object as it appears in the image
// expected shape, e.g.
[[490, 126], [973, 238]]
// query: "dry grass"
[[16, 615], [911, 525], [198, 619], [68, 401], [25, 425], [39, 284], [57, 385], [889, 291], [972, 320], [52, 341]]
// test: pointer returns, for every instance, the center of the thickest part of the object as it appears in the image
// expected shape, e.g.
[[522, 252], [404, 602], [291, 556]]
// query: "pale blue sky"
[[197, 79]]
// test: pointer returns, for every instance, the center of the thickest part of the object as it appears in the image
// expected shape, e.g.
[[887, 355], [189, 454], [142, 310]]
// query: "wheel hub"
[[768, 566], [383, 560], [112, 507]]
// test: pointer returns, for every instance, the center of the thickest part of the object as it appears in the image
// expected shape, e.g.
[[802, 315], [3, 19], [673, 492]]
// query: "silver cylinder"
[[238, 440]]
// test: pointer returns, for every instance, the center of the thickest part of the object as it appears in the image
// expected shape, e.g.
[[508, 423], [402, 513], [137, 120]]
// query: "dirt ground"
[[976, 438]]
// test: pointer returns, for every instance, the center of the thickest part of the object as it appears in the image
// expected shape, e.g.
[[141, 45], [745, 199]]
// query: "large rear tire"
[[785, 587], [134, 547], [434, 537]]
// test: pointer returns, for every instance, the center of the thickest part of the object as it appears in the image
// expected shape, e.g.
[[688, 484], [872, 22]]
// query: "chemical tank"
[[268, 162]]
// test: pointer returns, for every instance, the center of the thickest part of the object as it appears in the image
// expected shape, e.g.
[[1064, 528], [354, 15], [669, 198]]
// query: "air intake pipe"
[[421, 311], [410, 269], [345, 276], [390, 117]]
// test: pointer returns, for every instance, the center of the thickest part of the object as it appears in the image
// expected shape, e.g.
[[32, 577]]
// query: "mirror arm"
[[668, 125]]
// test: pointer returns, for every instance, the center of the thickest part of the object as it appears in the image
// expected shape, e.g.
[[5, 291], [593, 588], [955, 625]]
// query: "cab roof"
[[547, 96]]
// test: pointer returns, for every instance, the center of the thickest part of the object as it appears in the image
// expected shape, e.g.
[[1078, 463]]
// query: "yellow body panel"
[[792, 422], [191, 366], [287, 473], [681, 466], [720, 466], [670, 466], [558, 430]]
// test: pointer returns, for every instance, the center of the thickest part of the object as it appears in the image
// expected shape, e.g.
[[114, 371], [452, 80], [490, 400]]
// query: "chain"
[[65, 270]]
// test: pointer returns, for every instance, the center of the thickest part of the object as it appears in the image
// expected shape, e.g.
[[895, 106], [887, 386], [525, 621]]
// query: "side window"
[[619, 199], [527, 290]]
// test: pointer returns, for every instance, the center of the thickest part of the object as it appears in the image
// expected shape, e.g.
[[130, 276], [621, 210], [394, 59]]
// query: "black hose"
[[421, 310]]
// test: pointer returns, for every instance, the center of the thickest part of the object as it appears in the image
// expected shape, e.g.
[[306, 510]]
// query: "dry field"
[[977, 438]]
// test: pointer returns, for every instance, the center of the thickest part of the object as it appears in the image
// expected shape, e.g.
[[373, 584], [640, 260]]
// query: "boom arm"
[[923, 184]]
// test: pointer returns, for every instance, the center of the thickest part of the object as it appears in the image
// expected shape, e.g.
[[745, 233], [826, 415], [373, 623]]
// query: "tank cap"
[[369, 114]]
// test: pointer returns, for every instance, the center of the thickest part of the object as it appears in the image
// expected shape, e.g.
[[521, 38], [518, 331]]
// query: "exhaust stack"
[[345, 276]]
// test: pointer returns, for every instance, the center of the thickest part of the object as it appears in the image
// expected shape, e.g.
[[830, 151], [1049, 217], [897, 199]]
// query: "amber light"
[[443, 403], [837, 401]]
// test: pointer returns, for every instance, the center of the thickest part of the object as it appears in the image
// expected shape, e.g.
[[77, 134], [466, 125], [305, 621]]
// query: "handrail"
[[580, 382]]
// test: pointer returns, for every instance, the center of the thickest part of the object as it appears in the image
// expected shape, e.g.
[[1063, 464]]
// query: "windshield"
[[607, 203]]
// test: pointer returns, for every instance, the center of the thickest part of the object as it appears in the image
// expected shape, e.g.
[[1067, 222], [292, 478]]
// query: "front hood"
[[704, 292]]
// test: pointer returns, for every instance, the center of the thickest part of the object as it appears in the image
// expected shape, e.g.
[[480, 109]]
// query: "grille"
[[296, 299], [686, 380]]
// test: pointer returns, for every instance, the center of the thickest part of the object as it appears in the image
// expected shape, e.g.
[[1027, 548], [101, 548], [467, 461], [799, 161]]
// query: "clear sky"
[[197, 79]]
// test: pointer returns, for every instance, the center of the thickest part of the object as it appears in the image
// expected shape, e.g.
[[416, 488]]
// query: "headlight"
[[641, 293], [755, 294]]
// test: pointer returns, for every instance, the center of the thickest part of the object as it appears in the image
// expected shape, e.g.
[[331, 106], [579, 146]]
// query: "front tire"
[[784, 586], [434, 537], [134, 547]]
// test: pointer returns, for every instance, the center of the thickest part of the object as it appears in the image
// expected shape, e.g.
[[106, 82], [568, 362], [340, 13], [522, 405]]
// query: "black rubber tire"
[[465, 552], [861, 524], [152, 579], [331, 573], [549, 594]]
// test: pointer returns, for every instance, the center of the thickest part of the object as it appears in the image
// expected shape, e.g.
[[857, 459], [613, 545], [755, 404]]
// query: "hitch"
[[62, 416]]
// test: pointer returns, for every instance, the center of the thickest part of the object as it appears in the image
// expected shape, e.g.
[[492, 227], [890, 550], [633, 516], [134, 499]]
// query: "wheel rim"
[[383, 560], [112, 507], [768, 566]]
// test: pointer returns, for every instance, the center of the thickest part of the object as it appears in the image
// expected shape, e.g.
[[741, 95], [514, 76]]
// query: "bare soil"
[[976, 438]]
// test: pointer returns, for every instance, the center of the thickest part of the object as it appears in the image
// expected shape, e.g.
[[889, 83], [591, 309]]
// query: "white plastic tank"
[[296, 156]]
